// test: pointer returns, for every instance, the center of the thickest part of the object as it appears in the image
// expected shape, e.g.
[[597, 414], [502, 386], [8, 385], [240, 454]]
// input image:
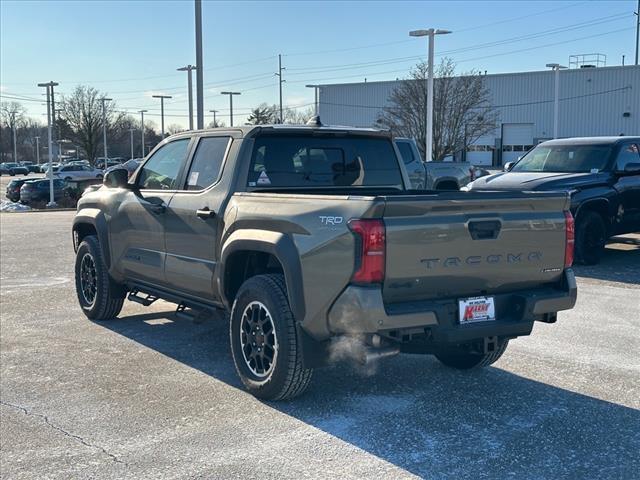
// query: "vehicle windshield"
[[323, 161], [565, 159]]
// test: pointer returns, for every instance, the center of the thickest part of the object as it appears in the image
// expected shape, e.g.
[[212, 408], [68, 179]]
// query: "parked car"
[[110, 162], [13, 189], [32, 167], [45, 167], [78, 172], [74, 189], [310, 236], [13, 169], [38, 190], [130, 165], [602, 175], [434, 175]]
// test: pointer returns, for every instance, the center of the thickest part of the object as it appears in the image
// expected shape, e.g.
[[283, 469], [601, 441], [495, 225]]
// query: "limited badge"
[[263, 179]]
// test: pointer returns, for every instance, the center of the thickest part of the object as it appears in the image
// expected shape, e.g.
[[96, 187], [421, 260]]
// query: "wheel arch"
[[92, 222], [601, 206], [247, 253]]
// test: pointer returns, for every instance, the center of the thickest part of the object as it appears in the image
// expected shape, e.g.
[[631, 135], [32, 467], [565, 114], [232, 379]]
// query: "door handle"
[[205, 213]]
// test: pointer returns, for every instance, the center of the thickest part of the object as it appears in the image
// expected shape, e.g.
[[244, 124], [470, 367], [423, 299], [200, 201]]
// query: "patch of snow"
[[9, 206]]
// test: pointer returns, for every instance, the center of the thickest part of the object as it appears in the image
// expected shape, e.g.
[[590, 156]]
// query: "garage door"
[[480, 152], [517, 138]]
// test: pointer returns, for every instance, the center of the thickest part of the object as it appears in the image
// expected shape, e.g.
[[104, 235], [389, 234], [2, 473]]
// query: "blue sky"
[[130, 50]]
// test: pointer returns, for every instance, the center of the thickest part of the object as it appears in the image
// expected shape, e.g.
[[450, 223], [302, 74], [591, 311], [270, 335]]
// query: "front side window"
[[565, 159], [207, 162], [161, 171], [321, 161], [628, 154]]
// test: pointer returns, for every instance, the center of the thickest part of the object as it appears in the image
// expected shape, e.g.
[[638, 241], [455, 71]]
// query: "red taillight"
[[370, 250], [570, 241]]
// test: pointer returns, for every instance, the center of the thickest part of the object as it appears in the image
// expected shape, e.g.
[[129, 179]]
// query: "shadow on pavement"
[[428, 420], [620, 262]]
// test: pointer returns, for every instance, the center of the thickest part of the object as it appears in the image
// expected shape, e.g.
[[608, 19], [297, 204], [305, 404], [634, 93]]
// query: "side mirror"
[[632, 169], [116, 178], [508, 166]]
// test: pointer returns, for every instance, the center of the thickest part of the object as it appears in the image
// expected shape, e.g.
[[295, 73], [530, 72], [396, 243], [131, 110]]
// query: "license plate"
[[476, 309]]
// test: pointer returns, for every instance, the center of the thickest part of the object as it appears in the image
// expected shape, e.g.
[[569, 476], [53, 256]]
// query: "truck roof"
[[592, 140], [250, 130]]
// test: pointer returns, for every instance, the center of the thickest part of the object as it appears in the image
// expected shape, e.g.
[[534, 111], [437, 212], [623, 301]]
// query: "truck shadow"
[[429, 420], [620, 262]]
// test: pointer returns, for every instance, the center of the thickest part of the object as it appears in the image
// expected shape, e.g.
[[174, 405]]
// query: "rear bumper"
[[360, 310]]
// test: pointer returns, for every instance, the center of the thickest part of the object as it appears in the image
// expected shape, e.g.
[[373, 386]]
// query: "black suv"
[[602, 174]]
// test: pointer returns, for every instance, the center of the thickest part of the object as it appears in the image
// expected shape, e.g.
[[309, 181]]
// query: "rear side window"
[[319, 161], [406, 151], [207, 162], [628, 154]]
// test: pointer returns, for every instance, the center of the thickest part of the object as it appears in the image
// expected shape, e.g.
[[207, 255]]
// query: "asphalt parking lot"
[[150, 396]]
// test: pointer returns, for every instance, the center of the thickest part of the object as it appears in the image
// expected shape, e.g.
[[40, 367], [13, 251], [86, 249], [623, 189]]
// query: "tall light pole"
[[131, 130], [214, 117], [15, 140], [280, 82], [104, 100], [37, 150], [556, 67], [231, 94], [188, 69], [199, 78], [317, 106], [431, 33], [49, 86], [637, 14], [142, 129], [161, 97]]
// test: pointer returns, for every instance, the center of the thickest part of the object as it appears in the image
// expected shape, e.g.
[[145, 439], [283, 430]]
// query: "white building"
[[593, 101]]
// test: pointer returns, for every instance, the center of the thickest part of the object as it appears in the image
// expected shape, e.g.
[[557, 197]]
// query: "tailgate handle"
[[484, 229]]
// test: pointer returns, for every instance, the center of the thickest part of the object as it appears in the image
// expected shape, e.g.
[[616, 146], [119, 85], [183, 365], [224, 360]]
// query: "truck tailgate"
[[467, 244]]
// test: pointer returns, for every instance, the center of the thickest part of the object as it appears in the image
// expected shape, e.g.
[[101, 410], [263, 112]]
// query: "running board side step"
[[196, 316], [146, 301]]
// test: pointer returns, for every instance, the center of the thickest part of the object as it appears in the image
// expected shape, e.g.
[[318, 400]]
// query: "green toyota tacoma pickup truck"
[[310, 236]]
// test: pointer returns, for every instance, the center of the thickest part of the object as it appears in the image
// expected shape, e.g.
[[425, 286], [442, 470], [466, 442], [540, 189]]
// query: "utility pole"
[[556, 67], [15, 140], [161, 97], [49, 86], [142, 129], [104, 126], [188, 69], [637, 14], [199, 79], [214, 117], [280, 82], [431, 33], [231, 94], [131, 130], [317, 106], [37, 150]]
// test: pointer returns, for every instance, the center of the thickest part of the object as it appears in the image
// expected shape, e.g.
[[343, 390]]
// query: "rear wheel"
[[591, 237], [460, 359], [100, 298], [264, 340]]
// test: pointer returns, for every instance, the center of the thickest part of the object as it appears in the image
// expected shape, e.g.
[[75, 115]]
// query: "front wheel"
[[99, 297], [591, 238], [264, 340], [460, 359]]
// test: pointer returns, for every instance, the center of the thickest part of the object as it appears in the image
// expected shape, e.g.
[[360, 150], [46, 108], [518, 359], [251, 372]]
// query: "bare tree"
[[262, 115], [13, 116], [462, 112], [82, 112], [299, 117]]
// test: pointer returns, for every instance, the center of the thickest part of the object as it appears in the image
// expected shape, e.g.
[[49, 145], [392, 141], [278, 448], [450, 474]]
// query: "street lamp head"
[[555, 66], [230, 93], [420, 33], [143, 111], [442, 32], [161, 96]]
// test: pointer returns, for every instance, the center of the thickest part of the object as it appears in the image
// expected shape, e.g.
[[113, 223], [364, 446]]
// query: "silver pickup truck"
[[435, 175]]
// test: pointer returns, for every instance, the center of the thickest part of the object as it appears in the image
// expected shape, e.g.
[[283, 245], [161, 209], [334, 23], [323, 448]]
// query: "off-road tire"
[[109, 296], [591, 238], [461, 360], [287, 377]]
